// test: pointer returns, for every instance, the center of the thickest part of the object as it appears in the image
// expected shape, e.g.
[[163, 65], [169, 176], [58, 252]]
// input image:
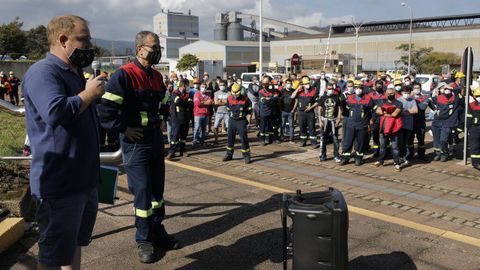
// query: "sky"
[[122, 19]]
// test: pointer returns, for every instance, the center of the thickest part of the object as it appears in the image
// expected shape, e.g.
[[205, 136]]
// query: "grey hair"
[[142, 35]]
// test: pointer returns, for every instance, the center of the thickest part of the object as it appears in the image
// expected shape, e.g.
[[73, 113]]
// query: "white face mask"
[[270, 87], [222, 88], [447, 91], [202, 89], [196, 86], [478, 99], [358, 91], [407, 82], [329, 92], [288, 86], [398, 88], [205, 78], [405, 95], [350, 89], [416, 91]]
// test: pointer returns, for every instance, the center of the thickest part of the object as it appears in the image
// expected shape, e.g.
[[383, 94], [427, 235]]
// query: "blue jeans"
[[200, 125], [287, 125]]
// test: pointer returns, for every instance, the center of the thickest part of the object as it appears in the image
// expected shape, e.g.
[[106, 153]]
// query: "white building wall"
[[381, 47]]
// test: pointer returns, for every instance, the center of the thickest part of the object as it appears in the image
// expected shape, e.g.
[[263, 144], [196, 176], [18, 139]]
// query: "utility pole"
[[410, 41], [260, 62]]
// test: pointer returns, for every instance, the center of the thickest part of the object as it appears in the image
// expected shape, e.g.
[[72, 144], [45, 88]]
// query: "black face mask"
[[82, 57], [154, 57], [391, 97]]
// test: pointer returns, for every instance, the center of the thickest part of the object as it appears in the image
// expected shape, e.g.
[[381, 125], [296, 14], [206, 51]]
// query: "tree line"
[[32, 44]]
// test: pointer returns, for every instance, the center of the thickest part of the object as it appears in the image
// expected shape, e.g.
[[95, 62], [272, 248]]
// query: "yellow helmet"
[[459, 75], [295, 84], [357, 83], [397, 82], [476, 92], [305, 80], [236, 88], [196, 81]]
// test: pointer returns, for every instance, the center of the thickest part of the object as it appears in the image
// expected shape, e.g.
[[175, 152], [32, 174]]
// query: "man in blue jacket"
[[62, 127]]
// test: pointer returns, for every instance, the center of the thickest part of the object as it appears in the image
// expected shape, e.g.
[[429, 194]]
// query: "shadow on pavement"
[[232, 218], [397, 260], [246, 253]]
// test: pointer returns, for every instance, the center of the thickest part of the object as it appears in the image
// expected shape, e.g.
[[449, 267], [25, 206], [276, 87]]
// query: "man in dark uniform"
[[360, 107], [131, 105], [378, 96], [444, 121], [287, 105], [238, 107], [180, 111], [268, 103], [419, 122], [473, 122], [306, 100], [14, 83]]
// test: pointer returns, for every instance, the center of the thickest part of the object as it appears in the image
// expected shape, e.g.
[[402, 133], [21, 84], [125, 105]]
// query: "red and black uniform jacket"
[[360, 109], [446, 110], [239, 107], [181, 105], [473, 116], [132, 98], [306, 99]]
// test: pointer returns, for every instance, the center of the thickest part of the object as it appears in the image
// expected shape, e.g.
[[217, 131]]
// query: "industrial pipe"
[[11, 109], [105, 157]]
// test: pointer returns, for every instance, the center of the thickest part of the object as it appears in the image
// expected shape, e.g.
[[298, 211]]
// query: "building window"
[[182, 33], [195, 34]]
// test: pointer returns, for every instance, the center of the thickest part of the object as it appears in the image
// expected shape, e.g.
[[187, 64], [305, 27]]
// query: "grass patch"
[[12, 134]]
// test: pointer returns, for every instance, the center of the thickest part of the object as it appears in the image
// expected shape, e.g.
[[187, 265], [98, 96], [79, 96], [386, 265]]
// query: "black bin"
[[318, 235]]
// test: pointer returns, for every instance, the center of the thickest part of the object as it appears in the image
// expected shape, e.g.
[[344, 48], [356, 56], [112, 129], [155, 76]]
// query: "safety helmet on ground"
[[459, 75], [236, 89]]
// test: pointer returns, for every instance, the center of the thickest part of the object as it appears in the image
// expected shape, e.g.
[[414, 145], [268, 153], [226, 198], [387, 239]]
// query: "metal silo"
[[235, 31], [220, 32]]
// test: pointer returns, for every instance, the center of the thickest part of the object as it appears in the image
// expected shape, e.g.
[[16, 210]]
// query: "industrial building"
[[332, 48], [175, 30], [377, 41], [217, 55]]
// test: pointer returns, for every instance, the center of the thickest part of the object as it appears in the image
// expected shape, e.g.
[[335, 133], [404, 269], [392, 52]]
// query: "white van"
[[247, 77], [428, 82]]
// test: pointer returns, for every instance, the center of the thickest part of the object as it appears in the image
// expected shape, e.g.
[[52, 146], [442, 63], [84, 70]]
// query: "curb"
[[11, 230]]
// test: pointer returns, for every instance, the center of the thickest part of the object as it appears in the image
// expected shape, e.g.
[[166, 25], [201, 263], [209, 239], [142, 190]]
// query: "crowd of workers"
[[9, 86], [64, 111], [374, 113]]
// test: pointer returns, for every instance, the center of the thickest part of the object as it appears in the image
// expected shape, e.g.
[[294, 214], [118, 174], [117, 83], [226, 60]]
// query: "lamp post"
[[260, 60], [410, 41], [357, 27]]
